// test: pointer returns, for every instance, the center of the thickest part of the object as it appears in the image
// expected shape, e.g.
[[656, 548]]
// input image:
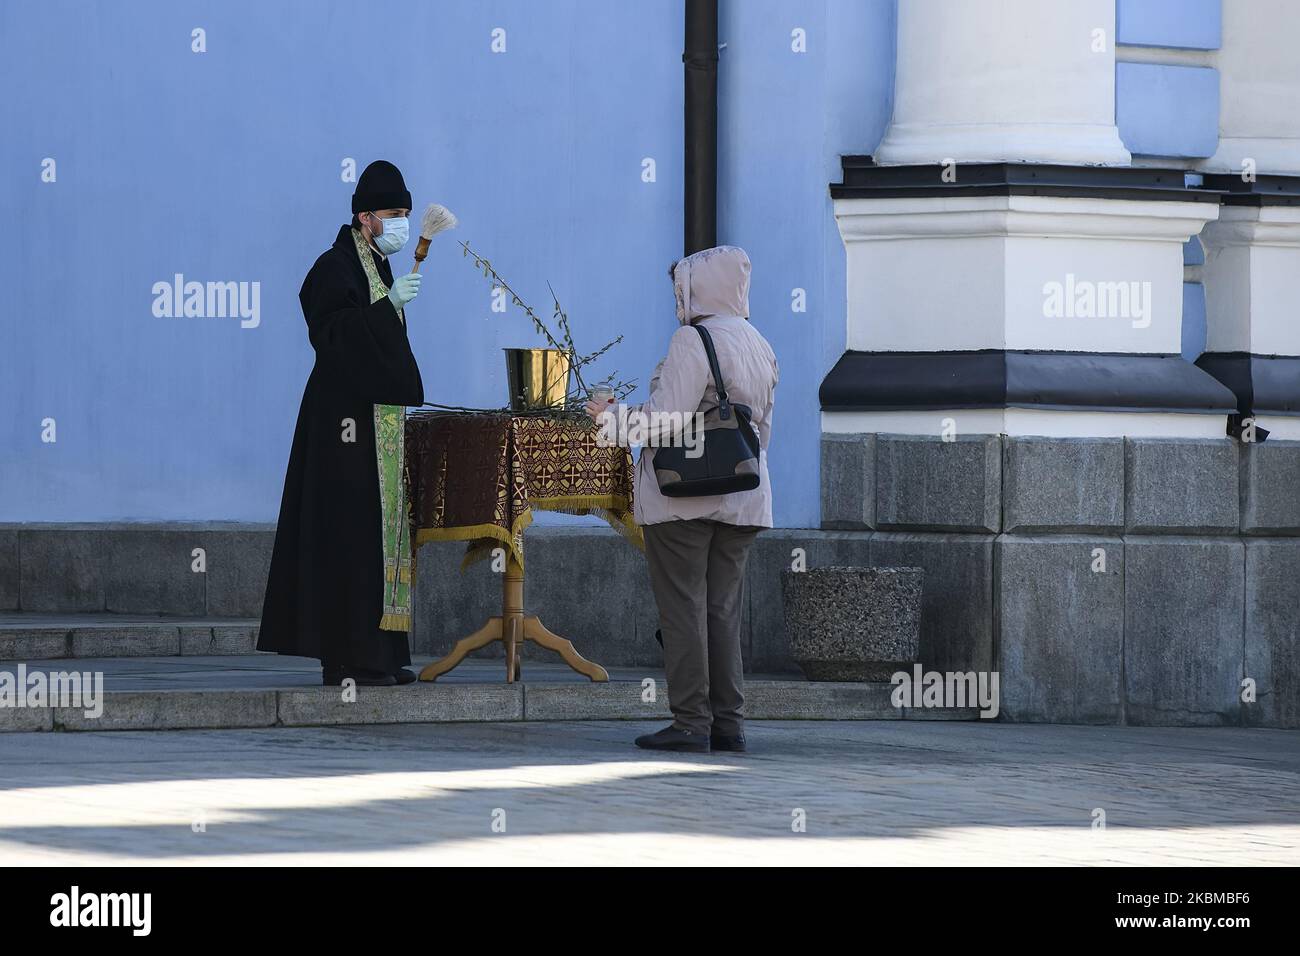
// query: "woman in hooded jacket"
[[697, 547]]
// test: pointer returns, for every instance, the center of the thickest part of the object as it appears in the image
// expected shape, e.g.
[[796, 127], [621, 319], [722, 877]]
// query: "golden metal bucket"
[[538, 378]]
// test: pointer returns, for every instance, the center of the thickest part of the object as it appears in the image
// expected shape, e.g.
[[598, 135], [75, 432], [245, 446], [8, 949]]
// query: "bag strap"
[[724, 406]]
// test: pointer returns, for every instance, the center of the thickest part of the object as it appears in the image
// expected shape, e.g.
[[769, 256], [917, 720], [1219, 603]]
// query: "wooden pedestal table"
[[512, 628], [478, 478]]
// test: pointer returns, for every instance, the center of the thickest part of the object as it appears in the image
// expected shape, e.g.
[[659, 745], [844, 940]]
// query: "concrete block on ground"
[[1183, 642], [1181, 486], [956, 597], [767, 648], [848, 481], [928, 484], [854, 623], [174, 710], [238, 561], [1063, 485], [1061, 628], [1270, 487], [1273, 632], [418, 703]]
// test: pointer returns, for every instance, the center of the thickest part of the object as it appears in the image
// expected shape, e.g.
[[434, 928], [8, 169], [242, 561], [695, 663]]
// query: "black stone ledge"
[[863, 179], [1263, 191], [1267, 384], [1070, 381]]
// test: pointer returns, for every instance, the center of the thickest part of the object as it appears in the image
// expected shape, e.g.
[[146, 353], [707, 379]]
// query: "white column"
[[1252, 286], [1004, 81], [1259, 88]]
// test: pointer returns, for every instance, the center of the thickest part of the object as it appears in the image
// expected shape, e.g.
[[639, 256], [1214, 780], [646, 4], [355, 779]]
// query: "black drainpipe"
[[701, 133]]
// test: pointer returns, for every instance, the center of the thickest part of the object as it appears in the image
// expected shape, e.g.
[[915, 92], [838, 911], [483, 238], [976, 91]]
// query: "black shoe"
[[403, 676], [733, 743], [670, 738], [335, 676]]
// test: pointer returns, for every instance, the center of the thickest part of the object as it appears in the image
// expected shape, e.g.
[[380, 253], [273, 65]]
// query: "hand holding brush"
[[436, 219]]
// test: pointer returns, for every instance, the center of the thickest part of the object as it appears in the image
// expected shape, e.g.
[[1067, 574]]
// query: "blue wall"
[[225, 166]]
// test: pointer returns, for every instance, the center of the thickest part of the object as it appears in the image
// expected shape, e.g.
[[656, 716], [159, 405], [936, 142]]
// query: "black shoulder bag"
[[726, 452]]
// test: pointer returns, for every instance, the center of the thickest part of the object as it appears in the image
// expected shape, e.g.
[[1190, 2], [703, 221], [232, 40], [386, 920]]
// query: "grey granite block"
[[34, 643], [614, 700], [126, 640], [450, 604], [174, 710], [848, 481], [854, 623], [1273, 632], [1270, 487], [417, 703], [767, 648], [149, 571], [238, 561], [1180, 486], [61, 570], [1063, 484], [1183, 640], [806, 700], [927, 484], [23, 720], [592, 587], [956, 599], [1060, 628], [9, 590], [218, 640]]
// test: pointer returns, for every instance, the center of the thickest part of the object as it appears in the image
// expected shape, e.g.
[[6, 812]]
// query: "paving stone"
[[808, 700], [1181, 486], [173, 710], [127, 640], [218, 640], [1061, 628], [418, 703], [1183, 641], [848, 481], [611, 700], [927, 484], [34, 644], [22, 720], [1063, 484]]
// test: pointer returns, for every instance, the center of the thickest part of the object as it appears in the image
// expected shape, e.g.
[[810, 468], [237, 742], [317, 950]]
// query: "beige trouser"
[[697, 571]]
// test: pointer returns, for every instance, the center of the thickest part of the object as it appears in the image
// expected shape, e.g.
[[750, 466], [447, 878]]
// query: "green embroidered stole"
[[390, 454]]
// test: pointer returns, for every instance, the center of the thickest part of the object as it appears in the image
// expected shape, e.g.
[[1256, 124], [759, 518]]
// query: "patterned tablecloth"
[[479, 477]]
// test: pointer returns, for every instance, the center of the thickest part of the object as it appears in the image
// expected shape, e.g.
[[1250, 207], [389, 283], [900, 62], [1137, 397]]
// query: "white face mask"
[[396, 231]]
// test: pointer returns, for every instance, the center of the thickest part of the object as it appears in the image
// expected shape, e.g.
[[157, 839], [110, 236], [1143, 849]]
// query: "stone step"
[[185, 693], [29, 636]]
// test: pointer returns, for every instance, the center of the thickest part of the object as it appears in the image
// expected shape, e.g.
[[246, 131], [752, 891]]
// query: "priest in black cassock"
[[339, 587]]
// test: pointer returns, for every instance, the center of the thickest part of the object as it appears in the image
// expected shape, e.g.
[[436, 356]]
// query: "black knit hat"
[[380, 187]]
